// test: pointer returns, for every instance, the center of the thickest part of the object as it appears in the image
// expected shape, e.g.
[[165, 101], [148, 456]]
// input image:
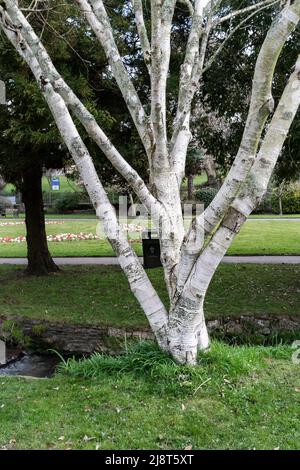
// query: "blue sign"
[[55, 184]]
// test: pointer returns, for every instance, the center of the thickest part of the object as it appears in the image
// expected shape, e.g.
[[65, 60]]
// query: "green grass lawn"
[[235, 290], [66, 185], [267, 237], [274, 216], [261, 237], [198, 180], [237, 398]]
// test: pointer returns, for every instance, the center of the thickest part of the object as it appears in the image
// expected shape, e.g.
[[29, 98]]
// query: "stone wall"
[[85, 339]]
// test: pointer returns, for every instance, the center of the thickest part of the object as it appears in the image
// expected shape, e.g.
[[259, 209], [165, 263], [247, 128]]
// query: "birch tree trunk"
[[189, 260]]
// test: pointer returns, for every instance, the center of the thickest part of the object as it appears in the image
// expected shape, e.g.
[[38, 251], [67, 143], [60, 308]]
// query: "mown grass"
[[268, 237], [237, 398], [100, 294], [66, 185], [198, 180], [274, 216], [257, 237]]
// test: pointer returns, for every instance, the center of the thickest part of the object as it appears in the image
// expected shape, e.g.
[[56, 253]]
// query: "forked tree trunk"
[[40, 261], [189, 261]]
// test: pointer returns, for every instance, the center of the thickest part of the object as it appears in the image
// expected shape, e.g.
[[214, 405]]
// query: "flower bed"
[[70, 237], [61, 237], [133, 228], [13, 224]]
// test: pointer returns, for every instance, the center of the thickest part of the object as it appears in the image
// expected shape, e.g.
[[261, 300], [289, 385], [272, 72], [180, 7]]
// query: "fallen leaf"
[[87, 438], [189, 447]]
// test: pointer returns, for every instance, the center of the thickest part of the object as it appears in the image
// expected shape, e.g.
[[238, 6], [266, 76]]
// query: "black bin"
[[151, 249]]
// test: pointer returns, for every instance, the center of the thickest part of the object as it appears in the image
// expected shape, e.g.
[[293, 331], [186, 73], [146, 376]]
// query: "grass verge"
[[257, 237], [100, 294]]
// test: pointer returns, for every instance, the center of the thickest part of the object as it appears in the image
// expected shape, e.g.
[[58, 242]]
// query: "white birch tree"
[[189, 260]]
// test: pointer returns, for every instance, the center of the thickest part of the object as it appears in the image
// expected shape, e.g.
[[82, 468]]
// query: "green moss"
[[14, 334], [38, 330]]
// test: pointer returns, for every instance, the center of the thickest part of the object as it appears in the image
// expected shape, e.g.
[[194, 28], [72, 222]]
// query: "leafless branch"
[[233, 14]]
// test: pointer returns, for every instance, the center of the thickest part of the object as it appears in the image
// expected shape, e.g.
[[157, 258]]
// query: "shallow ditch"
[[38, 337], [28, 364]]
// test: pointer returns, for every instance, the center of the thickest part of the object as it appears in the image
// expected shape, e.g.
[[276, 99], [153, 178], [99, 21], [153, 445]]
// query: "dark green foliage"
[[194, 162], [290, 202], [28, 134], [227, 87], [68, 202], [206, 195], [268, 205]]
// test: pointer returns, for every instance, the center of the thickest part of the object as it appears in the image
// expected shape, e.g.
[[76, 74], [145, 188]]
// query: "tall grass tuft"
[[147, 362]]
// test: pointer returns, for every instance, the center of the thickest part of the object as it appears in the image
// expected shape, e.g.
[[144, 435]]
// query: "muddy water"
[[33, 365]]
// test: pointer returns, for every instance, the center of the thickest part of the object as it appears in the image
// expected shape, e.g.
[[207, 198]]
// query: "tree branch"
[[161, 21], [142, 32], [260, 107], [243, 10], [51, 74], [188, 4], [136, 275], [191, 57], [253, 188], [231, 34], [197, 282], [191, 72]]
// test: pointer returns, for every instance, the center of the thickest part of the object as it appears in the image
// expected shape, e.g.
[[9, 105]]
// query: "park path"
[[109, 260], [90, 219], [261, 219]]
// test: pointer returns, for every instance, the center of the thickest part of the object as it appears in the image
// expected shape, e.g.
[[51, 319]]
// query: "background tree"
[[193, 166], [226, 90], [3, 200], [30, 143]]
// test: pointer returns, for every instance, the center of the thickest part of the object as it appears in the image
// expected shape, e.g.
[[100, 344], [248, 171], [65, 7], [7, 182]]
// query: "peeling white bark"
[[244, 10], [51, 74], [142, 31], [137, 278], [96, 15], [189, 307], [161, 22], [189, 264], [261, 106]]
